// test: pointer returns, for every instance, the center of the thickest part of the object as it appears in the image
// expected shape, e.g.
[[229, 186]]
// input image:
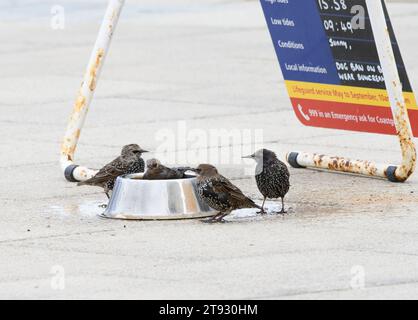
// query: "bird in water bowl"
[[157, 171]]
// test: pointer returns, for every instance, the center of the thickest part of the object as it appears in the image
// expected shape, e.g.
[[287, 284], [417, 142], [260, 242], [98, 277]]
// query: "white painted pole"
[[73, 172], [394, 89]]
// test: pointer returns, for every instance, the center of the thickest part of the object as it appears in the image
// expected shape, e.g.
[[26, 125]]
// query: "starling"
[[156, 171], [128, 162], [271, 175], [219, 193]]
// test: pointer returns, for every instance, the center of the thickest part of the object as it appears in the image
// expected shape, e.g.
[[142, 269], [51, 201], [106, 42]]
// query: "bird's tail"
[[256, 205], [251, 204]]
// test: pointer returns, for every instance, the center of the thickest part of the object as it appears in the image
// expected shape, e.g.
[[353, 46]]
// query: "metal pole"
[[73, 172], [394, 89], [399, 110]]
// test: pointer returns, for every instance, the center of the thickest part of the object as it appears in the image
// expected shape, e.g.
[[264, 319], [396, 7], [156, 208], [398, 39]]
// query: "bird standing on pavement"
[[219, 193], [156, 171], [128, 162], [272, 176]]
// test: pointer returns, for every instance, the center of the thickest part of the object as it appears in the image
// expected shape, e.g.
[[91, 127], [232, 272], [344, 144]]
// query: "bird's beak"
[[144, 151], [248, 157]]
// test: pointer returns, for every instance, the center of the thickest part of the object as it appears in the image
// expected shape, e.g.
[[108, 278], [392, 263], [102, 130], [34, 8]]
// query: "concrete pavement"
[[213, 66]]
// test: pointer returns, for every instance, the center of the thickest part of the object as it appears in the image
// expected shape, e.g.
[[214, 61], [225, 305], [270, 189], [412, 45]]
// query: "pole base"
[[69, 173], [391, 174], [292, 158]]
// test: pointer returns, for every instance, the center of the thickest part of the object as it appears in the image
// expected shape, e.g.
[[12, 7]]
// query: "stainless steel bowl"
[[136, 199]]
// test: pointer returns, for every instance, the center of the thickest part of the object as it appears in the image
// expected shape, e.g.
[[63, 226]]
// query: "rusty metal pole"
[[394, 88], [74, 172], [395, 173]]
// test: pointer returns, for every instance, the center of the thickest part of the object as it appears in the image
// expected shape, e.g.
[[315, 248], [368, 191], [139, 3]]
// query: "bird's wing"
[[111, 170], [182, 169], [168, 173], [235, 195], [178, 172], [154, 174]]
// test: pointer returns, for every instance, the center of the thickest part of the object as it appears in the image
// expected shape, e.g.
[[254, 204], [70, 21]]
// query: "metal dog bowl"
[[136, 199]]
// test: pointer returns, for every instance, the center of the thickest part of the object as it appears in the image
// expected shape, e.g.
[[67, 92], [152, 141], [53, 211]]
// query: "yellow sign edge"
[[345, 94]]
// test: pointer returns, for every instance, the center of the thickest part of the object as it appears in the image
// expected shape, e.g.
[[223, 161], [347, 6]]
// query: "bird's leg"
[[262, 211], [216, 218], [283, 211], [108, 198], [212, 219], [221, 217]]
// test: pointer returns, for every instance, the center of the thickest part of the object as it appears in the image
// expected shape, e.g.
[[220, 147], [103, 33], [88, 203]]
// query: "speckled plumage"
[[219, 193], [128, 167], [157, 171], [272, 176], [128, 162]]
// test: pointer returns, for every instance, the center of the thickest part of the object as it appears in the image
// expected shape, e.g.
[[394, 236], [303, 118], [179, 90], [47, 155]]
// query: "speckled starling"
[[128, 162], [219, 193], [156, 171], [271, 175]]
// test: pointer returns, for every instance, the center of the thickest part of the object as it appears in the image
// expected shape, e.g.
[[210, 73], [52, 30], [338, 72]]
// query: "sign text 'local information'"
[[331, 67]]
